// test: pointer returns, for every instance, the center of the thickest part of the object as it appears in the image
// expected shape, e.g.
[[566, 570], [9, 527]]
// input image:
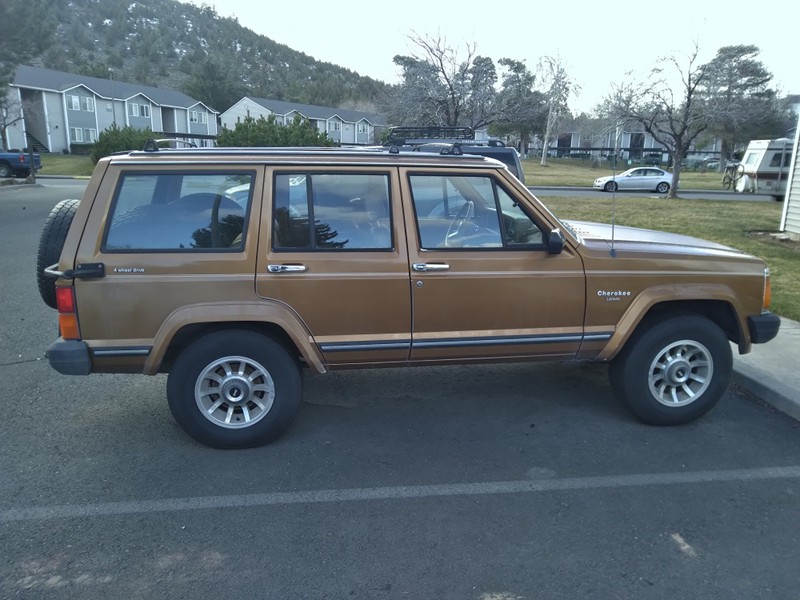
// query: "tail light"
[[67, 313]]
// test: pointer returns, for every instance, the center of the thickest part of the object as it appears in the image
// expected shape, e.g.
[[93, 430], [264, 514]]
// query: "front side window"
[[470, 212], [179, 212], [331, 211]]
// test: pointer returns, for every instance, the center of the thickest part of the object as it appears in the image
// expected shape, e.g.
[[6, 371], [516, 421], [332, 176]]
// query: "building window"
[[362, 128], [73, 102], [90, 135], [203, 118], [193, 116], [144, 110], [88, 104], [334, 126], [133, 109], [76, 134]]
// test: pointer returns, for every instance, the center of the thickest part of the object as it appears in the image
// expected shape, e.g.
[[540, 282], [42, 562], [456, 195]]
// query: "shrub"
[[266, 132], [116, 139]]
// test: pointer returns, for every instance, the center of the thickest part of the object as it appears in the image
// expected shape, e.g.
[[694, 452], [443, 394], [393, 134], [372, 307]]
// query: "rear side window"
[[331, 211], [179, 212]]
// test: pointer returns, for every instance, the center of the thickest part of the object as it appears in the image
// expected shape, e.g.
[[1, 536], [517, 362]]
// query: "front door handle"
[[287, 268], [428, 267]]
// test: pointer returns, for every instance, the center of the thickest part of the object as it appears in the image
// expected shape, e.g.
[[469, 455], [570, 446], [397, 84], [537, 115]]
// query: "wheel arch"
[[719, 311], [189, 323]]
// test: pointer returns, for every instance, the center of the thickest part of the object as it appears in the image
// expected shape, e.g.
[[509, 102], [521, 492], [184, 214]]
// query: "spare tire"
[[51, 242]]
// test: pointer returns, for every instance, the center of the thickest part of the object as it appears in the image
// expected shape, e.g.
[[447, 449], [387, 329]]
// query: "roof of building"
[[281, 107], [58, 81]]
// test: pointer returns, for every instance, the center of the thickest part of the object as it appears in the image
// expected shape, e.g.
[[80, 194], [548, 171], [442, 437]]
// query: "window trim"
[[498, 210]]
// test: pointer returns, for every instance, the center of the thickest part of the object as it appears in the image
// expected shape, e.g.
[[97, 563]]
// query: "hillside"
[[212, 58]]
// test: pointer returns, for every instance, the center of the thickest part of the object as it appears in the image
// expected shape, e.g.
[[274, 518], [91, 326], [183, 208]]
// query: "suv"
[[233, 270], [454, 140]]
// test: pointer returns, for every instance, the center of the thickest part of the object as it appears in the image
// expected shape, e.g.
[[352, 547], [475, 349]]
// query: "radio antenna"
[[613, 251]]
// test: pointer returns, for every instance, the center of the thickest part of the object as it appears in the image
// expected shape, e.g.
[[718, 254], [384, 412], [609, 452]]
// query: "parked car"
[[236, 270], [16, 163], [640, 178]]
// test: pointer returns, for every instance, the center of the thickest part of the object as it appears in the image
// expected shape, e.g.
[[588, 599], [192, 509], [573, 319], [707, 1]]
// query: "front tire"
[[673, 370], [611, 186], [234, 389]]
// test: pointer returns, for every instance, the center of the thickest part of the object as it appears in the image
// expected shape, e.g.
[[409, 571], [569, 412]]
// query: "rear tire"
[[234, 389], [51, 242], [673, 370], [5, 170], [662, 188]]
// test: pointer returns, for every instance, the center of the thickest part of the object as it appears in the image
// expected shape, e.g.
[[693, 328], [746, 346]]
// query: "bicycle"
[[732, 174]]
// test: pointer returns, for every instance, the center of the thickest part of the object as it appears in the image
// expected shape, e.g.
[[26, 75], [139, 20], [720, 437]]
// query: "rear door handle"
[[428, 267], [287, 268]]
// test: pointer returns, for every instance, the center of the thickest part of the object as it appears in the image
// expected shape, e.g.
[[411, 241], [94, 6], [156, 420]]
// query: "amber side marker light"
[[67, 317], [767, 291]]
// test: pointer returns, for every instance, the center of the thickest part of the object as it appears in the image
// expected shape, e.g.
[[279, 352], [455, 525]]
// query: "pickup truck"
[[18, 164]]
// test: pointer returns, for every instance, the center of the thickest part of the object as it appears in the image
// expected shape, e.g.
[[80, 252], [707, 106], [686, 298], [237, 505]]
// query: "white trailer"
[[765, 167]]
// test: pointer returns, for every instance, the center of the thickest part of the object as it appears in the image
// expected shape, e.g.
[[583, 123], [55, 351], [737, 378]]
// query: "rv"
[[765, 167]]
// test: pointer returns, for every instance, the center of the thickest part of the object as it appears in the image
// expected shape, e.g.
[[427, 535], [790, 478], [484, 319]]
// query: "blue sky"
[[599, 42]]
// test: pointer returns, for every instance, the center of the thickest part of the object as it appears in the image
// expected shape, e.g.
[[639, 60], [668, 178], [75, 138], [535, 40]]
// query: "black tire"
[[51, 242], [662, 188], [610, 186], [263, 384], [727, 181], [5, 170], [666, 361]]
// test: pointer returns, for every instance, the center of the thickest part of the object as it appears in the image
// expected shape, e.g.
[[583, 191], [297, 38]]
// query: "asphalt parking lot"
[[479, 483]]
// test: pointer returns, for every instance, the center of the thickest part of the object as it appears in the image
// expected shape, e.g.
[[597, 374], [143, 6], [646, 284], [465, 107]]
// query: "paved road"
[[479, 483]]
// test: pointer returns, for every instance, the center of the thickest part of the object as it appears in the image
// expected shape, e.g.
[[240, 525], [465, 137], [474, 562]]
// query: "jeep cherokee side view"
[[233, 270]]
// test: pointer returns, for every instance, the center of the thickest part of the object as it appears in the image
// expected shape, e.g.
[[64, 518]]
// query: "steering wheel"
[[462, 216]]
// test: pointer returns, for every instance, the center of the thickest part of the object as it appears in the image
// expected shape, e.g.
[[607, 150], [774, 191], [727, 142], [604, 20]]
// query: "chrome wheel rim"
[[680, 373], [234, 392]]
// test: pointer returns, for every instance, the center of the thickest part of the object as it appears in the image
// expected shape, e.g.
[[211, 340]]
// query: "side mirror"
[[555, 242]]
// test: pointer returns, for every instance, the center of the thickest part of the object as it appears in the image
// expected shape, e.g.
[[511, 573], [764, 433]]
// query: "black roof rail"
[[152, 145]]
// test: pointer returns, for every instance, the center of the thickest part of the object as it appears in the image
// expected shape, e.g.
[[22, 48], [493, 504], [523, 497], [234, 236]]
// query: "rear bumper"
[[69, 357], [763, 327]]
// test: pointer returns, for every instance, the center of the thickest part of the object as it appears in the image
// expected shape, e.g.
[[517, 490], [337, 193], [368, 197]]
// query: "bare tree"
[[440, 87], [674, 117], [558, 86], [10, 114]]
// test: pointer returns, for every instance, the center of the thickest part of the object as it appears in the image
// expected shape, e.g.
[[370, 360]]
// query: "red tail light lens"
[[65, 299]]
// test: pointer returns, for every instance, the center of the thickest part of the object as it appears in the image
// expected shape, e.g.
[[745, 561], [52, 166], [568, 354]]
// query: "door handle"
[[428, 267], [287, 268]]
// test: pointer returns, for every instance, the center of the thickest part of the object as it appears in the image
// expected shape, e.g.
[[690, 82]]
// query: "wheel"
[[662, 188], [234, 389], [727, 181], [51, 242], [673, 370], [611, 186], [5, 170]]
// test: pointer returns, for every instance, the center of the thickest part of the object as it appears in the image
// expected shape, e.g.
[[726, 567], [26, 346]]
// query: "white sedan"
[[639, 178]]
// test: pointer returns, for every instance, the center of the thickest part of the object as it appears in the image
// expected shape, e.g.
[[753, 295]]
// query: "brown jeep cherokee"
[[234, 269]]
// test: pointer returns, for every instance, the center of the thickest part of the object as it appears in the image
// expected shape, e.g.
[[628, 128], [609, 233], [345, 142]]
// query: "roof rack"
[[414, 136], [409, 135]]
